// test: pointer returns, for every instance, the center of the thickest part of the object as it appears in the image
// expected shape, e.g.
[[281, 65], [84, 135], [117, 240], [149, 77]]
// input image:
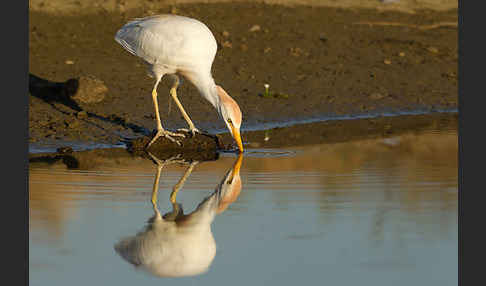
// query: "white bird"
[[179, 244], [177, 45]]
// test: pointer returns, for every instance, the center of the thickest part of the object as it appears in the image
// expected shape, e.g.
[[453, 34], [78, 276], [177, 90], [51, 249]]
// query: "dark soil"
[[318, 61], [333, 131], [197, 146]]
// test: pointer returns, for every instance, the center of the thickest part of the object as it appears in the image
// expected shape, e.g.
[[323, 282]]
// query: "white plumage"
[[179, 244], [172, 44]]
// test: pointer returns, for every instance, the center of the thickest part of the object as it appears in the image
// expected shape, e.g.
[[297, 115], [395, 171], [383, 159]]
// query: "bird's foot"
[[166, 134], [192, 130]]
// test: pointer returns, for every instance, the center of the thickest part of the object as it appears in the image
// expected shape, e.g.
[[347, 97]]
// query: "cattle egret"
[[178, 244], [177, 45]]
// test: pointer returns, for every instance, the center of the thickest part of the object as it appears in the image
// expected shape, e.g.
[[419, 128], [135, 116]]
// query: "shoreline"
[[295, 136]]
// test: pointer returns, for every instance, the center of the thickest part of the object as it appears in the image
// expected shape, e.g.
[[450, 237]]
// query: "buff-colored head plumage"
[[231, 114]]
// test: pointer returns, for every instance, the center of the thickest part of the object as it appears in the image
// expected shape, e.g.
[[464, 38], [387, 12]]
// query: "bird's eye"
[[229, 120]]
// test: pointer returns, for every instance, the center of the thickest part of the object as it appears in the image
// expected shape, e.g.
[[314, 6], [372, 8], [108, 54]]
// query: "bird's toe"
[[191, 131], [175, 134], [167, 134]]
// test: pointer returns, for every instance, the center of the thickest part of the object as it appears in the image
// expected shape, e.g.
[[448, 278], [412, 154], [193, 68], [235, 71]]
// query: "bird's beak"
[[236, 167], [235, 186], [237, 136]]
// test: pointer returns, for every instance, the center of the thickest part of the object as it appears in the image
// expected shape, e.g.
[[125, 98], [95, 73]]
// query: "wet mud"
[[319, 133]]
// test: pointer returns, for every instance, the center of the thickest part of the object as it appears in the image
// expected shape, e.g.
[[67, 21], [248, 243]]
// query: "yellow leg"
[[156, 105], [155, 190], [160, 130], [178, 186], [173, 93]]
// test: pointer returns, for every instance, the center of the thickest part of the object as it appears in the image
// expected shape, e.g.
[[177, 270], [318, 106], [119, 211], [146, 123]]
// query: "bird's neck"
[[205, 85], [210, 93]]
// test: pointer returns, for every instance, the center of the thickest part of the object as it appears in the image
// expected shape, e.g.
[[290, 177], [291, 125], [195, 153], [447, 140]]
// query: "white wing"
[[171, 40]]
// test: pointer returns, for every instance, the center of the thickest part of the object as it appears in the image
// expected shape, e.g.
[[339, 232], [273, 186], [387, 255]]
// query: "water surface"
[[368, 212]]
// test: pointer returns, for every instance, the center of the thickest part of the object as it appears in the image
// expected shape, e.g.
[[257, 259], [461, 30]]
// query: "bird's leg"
[[181, 182], [160, 130], [155, 188], [173, 93]]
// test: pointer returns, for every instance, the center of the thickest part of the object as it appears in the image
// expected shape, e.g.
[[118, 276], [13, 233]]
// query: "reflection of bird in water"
[[178, 244], [171, 44]]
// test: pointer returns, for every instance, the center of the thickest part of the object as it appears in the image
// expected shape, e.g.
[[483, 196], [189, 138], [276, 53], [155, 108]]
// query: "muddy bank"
[[320, 62], [318, 133]]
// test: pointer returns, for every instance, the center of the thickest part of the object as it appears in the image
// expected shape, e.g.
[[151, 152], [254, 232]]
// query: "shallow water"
[[368, 212]]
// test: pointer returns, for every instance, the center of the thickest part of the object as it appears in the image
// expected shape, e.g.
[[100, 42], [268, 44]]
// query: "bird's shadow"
[[62, 92], [52, 92]]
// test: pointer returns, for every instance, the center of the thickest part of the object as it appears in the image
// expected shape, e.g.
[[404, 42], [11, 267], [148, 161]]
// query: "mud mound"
[[200, 147]]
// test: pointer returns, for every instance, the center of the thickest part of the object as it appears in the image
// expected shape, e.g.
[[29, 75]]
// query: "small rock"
[[323, 38], [433, 50], [69, 62], [255, 28], [296, 52], [301, 76], [227, 44], [90, 90], [82, 114], [226, 34], [387, 62], [267, 50], [376, 96], [401, 54]]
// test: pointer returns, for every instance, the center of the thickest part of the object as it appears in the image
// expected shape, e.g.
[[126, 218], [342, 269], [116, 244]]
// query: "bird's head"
[[230, 187], [231, 114]]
